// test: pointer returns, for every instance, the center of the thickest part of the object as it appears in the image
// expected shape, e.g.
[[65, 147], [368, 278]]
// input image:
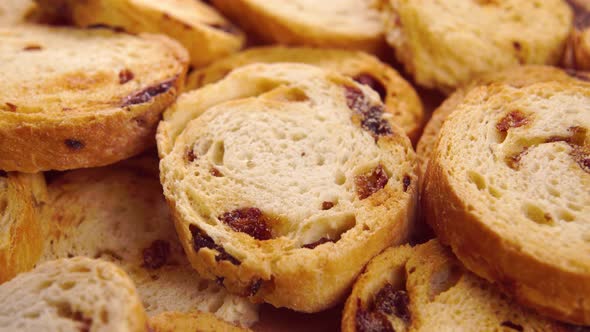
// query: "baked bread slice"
[[348, 24], [118, 213], [284, 180], [508, 187], [198, 27], [425, 288], [397, 94], [445, 44], [21, 234], [77, 294], [190, 322], [57, 113], [577, 54], [15, 11], [518, 76]]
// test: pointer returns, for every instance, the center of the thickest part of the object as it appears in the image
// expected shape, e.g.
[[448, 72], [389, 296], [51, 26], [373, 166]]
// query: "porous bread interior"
[[443, 295], [259, 143], [77, 71], [350, 17], [115, 213], [445, 43], [542, 204], [70, 294]]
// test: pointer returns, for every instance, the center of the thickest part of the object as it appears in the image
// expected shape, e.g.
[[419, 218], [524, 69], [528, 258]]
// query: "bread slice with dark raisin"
[[399, 97], [74, 98], [508, 188], [72, 295], [189, 322], [285, 180], [118, 213], [425, 288], [198, 27], [21, 231]]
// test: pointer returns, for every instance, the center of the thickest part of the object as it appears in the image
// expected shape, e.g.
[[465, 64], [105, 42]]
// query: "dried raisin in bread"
[[515, 76], [198, 27], [425, 288], [21, 232], [397, 94], [349, 24], [189, 322], [76, 294], [118, 213], [577, 54], [284, 180], [508, 187], [445, 44], [74, 98]]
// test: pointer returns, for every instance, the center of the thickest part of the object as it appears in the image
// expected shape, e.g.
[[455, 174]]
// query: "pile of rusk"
[[304, 176]]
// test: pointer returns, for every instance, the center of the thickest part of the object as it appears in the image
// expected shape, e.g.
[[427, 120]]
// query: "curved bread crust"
[[77, 294], [96, 110], [397, 94], [425, 288], [519, 76], [445, 44], [348, 24], [21, 233], [190, 322], [508, 187], [199, 28], [287, 215], [577, 54], [118, 213]]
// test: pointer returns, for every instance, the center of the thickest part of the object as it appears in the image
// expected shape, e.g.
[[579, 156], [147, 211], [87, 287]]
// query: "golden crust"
[[400, 98], [280, 271], [190, 322], [73, 132], [544, 282], [270, 25], [577, 55], [199, 28], [21, 231]]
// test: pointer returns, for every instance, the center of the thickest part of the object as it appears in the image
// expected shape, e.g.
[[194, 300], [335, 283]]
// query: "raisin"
[[11, 107], [581, 15], [125, 75], [73, 144], [514, 160], [32, 48], [368, 184], [85, 323], [407, 181], [254, 287], [224, 256], [512, 325], [373, 83], [513, 119], [226, 27], [327, 205], [190, 155], [3, 174], [354, 98], [215, 172], [248, 220], [156, 255], [148, 93], [317, 243], [219, 281], [368, 321], [517, 46], [371, 115], [202, 240], [393, 302]]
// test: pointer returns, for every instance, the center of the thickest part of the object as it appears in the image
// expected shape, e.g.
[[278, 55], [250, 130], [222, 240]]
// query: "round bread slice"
[[445, 44], [577, 54], [21, 231], [118, 213], [425, 288], [508, 187], [399, 97], [189, 322], [348, 24], [79, 98], [77, 294], [518, 76], [285, 180], [198, 27]]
